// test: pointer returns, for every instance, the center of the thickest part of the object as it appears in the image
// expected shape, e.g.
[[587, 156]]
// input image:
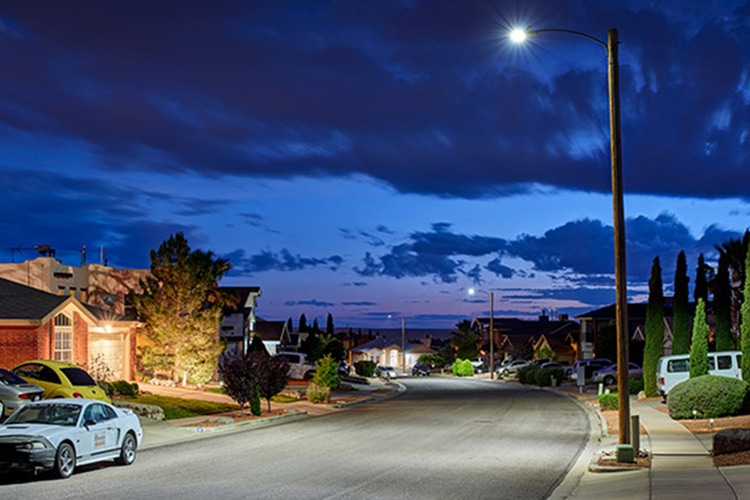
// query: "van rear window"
[[678, 365]]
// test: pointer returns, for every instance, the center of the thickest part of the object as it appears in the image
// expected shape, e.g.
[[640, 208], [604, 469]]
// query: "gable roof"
[[242, 293], [270, 331], [24, 303]]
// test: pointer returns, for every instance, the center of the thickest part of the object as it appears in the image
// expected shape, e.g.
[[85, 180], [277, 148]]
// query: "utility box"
[[580, 377], [625, 453]]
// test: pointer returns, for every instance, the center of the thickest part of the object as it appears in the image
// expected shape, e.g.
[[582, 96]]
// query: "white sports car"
[[59, 434]]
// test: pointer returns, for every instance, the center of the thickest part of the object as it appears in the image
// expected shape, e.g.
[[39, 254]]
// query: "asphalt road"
[[443, 438]]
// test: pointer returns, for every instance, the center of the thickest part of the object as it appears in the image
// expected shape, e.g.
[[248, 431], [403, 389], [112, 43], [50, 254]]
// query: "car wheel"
[[65, 461], [609, 380], [127, 450]]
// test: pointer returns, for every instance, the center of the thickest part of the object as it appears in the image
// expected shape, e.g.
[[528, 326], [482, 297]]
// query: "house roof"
[[242, 293], [269, 330], [22, 302], [515, 327]]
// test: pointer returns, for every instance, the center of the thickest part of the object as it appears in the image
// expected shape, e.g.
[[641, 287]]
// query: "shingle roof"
[[22, 302]]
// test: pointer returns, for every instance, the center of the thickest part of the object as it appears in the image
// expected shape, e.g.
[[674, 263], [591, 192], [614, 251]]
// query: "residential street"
[[442, 438]]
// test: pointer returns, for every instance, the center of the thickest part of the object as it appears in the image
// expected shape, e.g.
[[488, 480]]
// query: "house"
[[238, 319], [274, 334], [39, 325], [519, 338], [386, 347]]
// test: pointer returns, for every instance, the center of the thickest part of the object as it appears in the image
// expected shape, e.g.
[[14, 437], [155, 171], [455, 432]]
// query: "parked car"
[[420, 370], [589, 367], [608, 374], [60, 379], [512, 367], [61, 434], [673, 369], [385, 372], [15, 392]]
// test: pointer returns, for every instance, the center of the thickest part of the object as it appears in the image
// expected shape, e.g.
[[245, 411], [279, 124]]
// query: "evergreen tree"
[[290, 325], [699, 345], [654, 348], [745, 323], [465, 340], [316, 327], [722, 306], [302, 323], [330, 330], [735, 250], [257, 345], [181, 307], [701, 286], [681, 326]]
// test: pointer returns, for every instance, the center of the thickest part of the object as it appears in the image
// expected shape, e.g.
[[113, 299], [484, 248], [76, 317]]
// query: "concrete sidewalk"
[[681, 466]]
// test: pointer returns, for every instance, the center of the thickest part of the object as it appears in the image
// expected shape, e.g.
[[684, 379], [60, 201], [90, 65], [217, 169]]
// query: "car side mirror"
[[88, 423]]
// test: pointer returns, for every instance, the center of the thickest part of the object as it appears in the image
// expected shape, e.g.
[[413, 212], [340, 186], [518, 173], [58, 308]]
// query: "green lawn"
[[182, 408]]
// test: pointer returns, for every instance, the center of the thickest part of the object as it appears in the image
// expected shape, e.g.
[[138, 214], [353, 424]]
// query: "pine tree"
[[654, 348], [699, 345], [681, 325], [302, 323], [723, 306], [330, 330], [745, 322], [290, 325], [181, 308]]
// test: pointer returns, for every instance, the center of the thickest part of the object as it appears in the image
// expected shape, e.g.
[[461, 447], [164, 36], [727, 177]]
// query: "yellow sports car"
[[60, 379]]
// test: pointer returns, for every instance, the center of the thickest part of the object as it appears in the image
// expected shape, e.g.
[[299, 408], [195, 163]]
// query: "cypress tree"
[[681, 324], [699, 347], [745, 321], [302, 327], [654, 348], [330, 330], [723, 306], [701, 287], [290, 325]]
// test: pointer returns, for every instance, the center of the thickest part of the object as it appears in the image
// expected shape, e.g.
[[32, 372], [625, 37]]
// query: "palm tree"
[[734, 251]]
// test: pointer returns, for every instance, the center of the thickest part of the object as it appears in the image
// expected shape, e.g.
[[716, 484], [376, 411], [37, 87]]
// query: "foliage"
[[681, 323], [735, 251], [99, 369], [464, 341], [273, 374], [701, 287], [528, 374], [545, 353], [326, 372], [318, 394], [319, 344], [330, 329], [124, 388], [181, 307], [462, 368], [365, 368], [723, 305], [709, 396], [609, 401], [255, 404], [635, 385], [745, 324], [654, 348], [240, 378], [699, 347], [257, 345], [182, 408], [302, 326], [544, 376]]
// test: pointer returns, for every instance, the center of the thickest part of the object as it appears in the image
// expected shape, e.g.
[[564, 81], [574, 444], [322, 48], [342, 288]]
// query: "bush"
[[326, 372], [255, 408], [609, 401], [635, 385], [710, 396], [462, 368], [125, 388], [108, 388], [365, 368], [527, 374], [318, 394], [543, 376]]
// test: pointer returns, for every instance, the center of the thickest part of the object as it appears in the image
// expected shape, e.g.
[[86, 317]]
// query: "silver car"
[[15, 392]]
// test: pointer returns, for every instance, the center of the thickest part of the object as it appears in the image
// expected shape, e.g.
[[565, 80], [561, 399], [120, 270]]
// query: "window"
[[63, 349], [724, 362], [678, 365]]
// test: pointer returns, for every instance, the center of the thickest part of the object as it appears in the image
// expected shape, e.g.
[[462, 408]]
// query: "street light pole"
[[403, 346], [618, 218], [492, 335]]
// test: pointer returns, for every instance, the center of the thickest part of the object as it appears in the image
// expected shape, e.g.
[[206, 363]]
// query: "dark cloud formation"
[[284, 260], [311, 302], [269, 89]]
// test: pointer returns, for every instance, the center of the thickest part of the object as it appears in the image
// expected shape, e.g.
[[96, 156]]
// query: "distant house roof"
[[528, 328], [241, 293], [270, 331]]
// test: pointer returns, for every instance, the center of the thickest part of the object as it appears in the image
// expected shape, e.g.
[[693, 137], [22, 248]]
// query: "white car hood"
[[51, 432]]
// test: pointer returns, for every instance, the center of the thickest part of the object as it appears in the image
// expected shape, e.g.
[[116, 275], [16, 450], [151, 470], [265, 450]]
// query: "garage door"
[[109, 349]]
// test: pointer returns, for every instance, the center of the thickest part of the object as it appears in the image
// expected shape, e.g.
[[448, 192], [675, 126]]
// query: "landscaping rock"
[[143, 410], [731, 441]]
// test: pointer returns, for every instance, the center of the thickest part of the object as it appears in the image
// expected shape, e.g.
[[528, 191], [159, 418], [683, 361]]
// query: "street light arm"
[[531, 32]]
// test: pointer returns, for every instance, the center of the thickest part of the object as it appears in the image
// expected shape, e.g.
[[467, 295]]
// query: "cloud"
[[311, 302], [284, 260]]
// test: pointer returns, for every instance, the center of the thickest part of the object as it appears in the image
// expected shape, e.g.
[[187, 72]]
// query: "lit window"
[[63, 335]]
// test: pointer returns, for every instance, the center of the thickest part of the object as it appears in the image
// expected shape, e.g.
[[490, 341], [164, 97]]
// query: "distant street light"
[[611, 46], [473, 291]]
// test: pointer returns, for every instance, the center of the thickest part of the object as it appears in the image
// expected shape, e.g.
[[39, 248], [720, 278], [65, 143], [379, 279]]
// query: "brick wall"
[[19, 344]]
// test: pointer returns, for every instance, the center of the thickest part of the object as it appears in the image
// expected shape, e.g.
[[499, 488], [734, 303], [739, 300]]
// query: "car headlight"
[[36, 444]]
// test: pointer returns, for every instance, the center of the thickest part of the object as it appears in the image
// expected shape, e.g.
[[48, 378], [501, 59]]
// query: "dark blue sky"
[[375, 159]]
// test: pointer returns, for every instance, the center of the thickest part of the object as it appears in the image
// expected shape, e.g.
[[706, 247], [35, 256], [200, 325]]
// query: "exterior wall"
[[19, 344], [80, 341]]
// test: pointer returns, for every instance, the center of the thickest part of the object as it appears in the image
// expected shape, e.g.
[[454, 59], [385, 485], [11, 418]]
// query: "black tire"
[[309, 375], [65, 461], [127, 450], [609, 380]]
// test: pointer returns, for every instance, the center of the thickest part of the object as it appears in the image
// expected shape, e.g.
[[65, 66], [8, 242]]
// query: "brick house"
[[39, 325]]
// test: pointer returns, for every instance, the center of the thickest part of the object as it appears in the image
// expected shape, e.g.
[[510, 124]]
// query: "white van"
[[671, 370]]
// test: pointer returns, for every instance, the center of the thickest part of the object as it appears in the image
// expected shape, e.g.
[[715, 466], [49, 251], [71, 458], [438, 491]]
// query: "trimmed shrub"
[[462, 368], [609, 401], [635, 385], [125, 388], [318, 394], [255, 408], [544, 376], [528, 374], [326, 372], [365, 368], [107, 387], [710, 396]]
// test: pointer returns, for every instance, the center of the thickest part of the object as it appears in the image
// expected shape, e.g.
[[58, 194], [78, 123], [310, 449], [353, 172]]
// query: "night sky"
[[376, 159]]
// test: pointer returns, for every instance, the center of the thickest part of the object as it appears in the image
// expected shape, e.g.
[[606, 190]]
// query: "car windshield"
[[55, 414], [10, 378], [78, 376]]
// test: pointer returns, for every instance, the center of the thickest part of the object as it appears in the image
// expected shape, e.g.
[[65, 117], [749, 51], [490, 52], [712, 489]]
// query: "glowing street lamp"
[[473, 291], [611, 46]]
